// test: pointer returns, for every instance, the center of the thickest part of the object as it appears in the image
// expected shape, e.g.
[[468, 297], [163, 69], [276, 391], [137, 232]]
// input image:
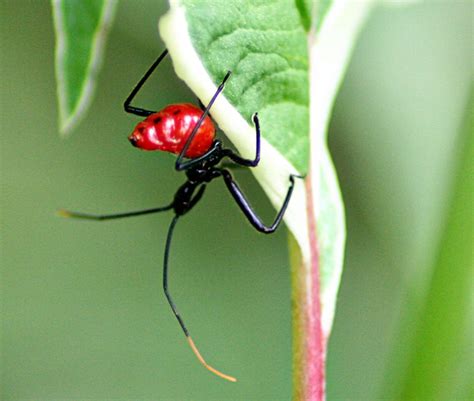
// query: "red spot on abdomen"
[[169, 129]]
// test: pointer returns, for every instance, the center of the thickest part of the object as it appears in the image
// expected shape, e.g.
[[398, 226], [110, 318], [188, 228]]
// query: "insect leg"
[[137, 110], [102, 217], [244, 205], [248, 162], [173, 306]]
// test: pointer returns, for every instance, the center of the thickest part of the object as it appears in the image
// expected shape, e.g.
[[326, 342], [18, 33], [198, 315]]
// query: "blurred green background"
[[83, 314]]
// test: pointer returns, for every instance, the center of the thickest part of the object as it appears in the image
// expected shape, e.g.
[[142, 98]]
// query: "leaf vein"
[[271, 75], [238, 30]]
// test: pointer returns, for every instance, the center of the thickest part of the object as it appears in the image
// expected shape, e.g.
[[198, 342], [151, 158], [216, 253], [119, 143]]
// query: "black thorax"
[[198, 175]]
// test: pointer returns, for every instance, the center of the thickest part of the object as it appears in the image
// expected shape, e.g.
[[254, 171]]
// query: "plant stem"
[[308, 340]]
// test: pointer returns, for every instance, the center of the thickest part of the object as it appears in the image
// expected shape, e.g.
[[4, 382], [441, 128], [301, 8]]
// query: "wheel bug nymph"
[[189, 132]]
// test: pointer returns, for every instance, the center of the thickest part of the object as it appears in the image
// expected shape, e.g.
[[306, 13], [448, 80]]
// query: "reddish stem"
[[315, 357], [309, 343]]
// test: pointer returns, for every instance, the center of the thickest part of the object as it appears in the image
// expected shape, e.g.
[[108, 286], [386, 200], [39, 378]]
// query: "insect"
[[189, 132]]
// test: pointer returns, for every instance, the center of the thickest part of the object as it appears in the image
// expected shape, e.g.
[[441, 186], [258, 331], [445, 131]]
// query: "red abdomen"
[[169, 129]]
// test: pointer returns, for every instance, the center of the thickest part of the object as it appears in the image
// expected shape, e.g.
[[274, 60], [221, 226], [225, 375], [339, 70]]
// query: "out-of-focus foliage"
[[81, 28], [444, 328]]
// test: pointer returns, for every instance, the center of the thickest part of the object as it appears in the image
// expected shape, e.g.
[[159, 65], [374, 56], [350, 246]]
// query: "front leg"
[[248, 162], [138, 110]]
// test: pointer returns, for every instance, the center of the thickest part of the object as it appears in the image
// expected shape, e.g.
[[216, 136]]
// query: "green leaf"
[[265, 45], [81, 28], [445, 324]]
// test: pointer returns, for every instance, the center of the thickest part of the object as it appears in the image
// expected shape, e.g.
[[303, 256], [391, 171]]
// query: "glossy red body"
[[169, 129]]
